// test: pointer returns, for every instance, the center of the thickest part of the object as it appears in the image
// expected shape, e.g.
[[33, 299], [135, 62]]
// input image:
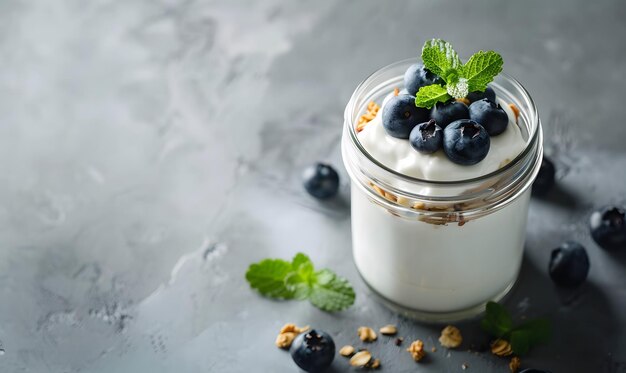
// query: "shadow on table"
[[582, 322]]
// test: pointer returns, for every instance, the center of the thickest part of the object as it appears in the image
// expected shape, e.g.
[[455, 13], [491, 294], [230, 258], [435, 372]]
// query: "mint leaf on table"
[[268, 277], [428, 96], [481, 68], [499, 323], [280, 279], [497, 320], [439, 57], [335, 294]]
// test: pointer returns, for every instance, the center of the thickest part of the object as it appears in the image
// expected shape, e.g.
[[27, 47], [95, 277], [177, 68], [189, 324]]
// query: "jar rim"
[[534, 130]]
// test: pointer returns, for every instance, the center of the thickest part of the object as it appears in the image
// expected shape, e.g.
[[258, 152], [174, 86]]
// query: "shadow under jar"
[[439, 250]]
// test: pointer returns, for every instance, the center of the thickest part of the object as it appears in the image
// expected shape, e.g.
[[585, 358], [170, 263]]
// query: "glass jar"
[[439, 250]]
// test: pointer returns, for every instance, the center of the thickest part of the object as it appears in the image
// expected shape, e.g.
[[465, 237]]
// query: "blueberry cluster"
[[463, 132]]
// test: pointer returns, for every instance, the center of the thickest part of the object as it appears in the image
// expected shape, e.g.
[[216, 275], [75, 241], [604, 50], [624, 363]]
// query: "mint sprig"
[[499, 323], [298, 279], [441, 59]]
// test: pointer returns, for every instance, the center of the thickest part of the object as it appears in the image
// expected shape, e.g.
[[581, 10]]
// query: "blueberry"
[[545, 178], [465, 142], [569, 264], [400, 115], [608, 227], [426, 137], [490, 115], [530, 370], [417, 76], [321, 181], [489, 94], [313, 351], [449, 112]]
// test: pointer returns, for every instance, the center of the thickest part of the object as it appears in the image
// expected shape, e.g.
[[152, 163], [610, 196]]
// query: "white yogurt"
[[437, 268], [398, 154]]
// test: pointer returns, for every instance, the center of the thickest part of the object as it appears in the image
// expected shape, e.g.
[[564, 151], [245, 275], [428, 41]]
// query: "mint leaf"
[[439, 56], [481, 68], [276, 278], [301, 278], [428, 96], [520, 342], [538, 330], [497, 320], [268, 277], [299, 260], [335, 294]]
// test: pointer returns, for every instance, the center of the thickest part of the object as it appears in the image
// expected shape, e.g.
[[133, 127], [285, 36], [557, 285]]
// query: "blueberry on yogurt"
[[400, 116], [465, 142]]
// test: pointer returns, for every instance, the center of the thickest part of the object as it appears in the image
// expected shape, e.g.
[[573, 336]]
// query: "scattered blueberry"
[[417, 76], [545, 178], [313, 351], [465, 142], [490, 115], [321, 181], [530, 370], [400, 115], [426, 137], [569, 264], [489, 94], [608, 227], [449, 112]]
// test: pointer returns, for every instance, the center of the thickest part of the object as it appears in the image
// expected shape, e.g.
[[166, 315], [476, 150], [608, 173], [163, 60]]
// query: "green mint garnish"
[[430, 95], [499, 323], [280, 279], [481, 68], [440, 58]]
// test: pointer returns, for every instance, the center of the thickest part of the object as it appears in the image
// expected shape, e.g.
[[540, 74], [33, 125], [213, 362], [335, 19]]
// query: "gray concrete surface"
[[151, 150]]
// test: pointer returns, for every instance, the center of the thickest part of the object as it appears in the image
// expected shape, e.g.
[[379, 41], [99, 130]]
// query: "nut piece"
[[287, 334], [450, 337], [346, 351], [500, 347], [396, 91], [388, 330], [367, 334], [515, 110], [433, 349], [417, 350], [464, 100], [284, 340], [292, 328], [372, 110], [361, 358], [374, 364], [515, 364]]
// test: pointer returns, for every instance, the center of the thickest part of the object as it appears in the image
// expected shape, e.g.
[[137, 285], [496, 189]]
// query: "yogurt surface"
[[398, 155]]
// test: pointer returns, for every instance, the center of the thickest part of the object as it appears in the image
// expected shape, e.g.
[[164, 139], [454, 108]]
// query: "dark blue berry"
[[321, 181], [426, 137], [569, 264], [489, 94], [449, 112], [417, 76], [530, 370], [313, 351], [608, 227], [545, 178], [400, 115], [490, 115], [465, 142]]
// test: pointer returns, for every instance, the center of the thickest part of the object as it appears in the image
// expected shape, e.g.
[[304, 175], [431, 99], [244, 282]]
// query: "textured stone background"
[[150, 150]]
